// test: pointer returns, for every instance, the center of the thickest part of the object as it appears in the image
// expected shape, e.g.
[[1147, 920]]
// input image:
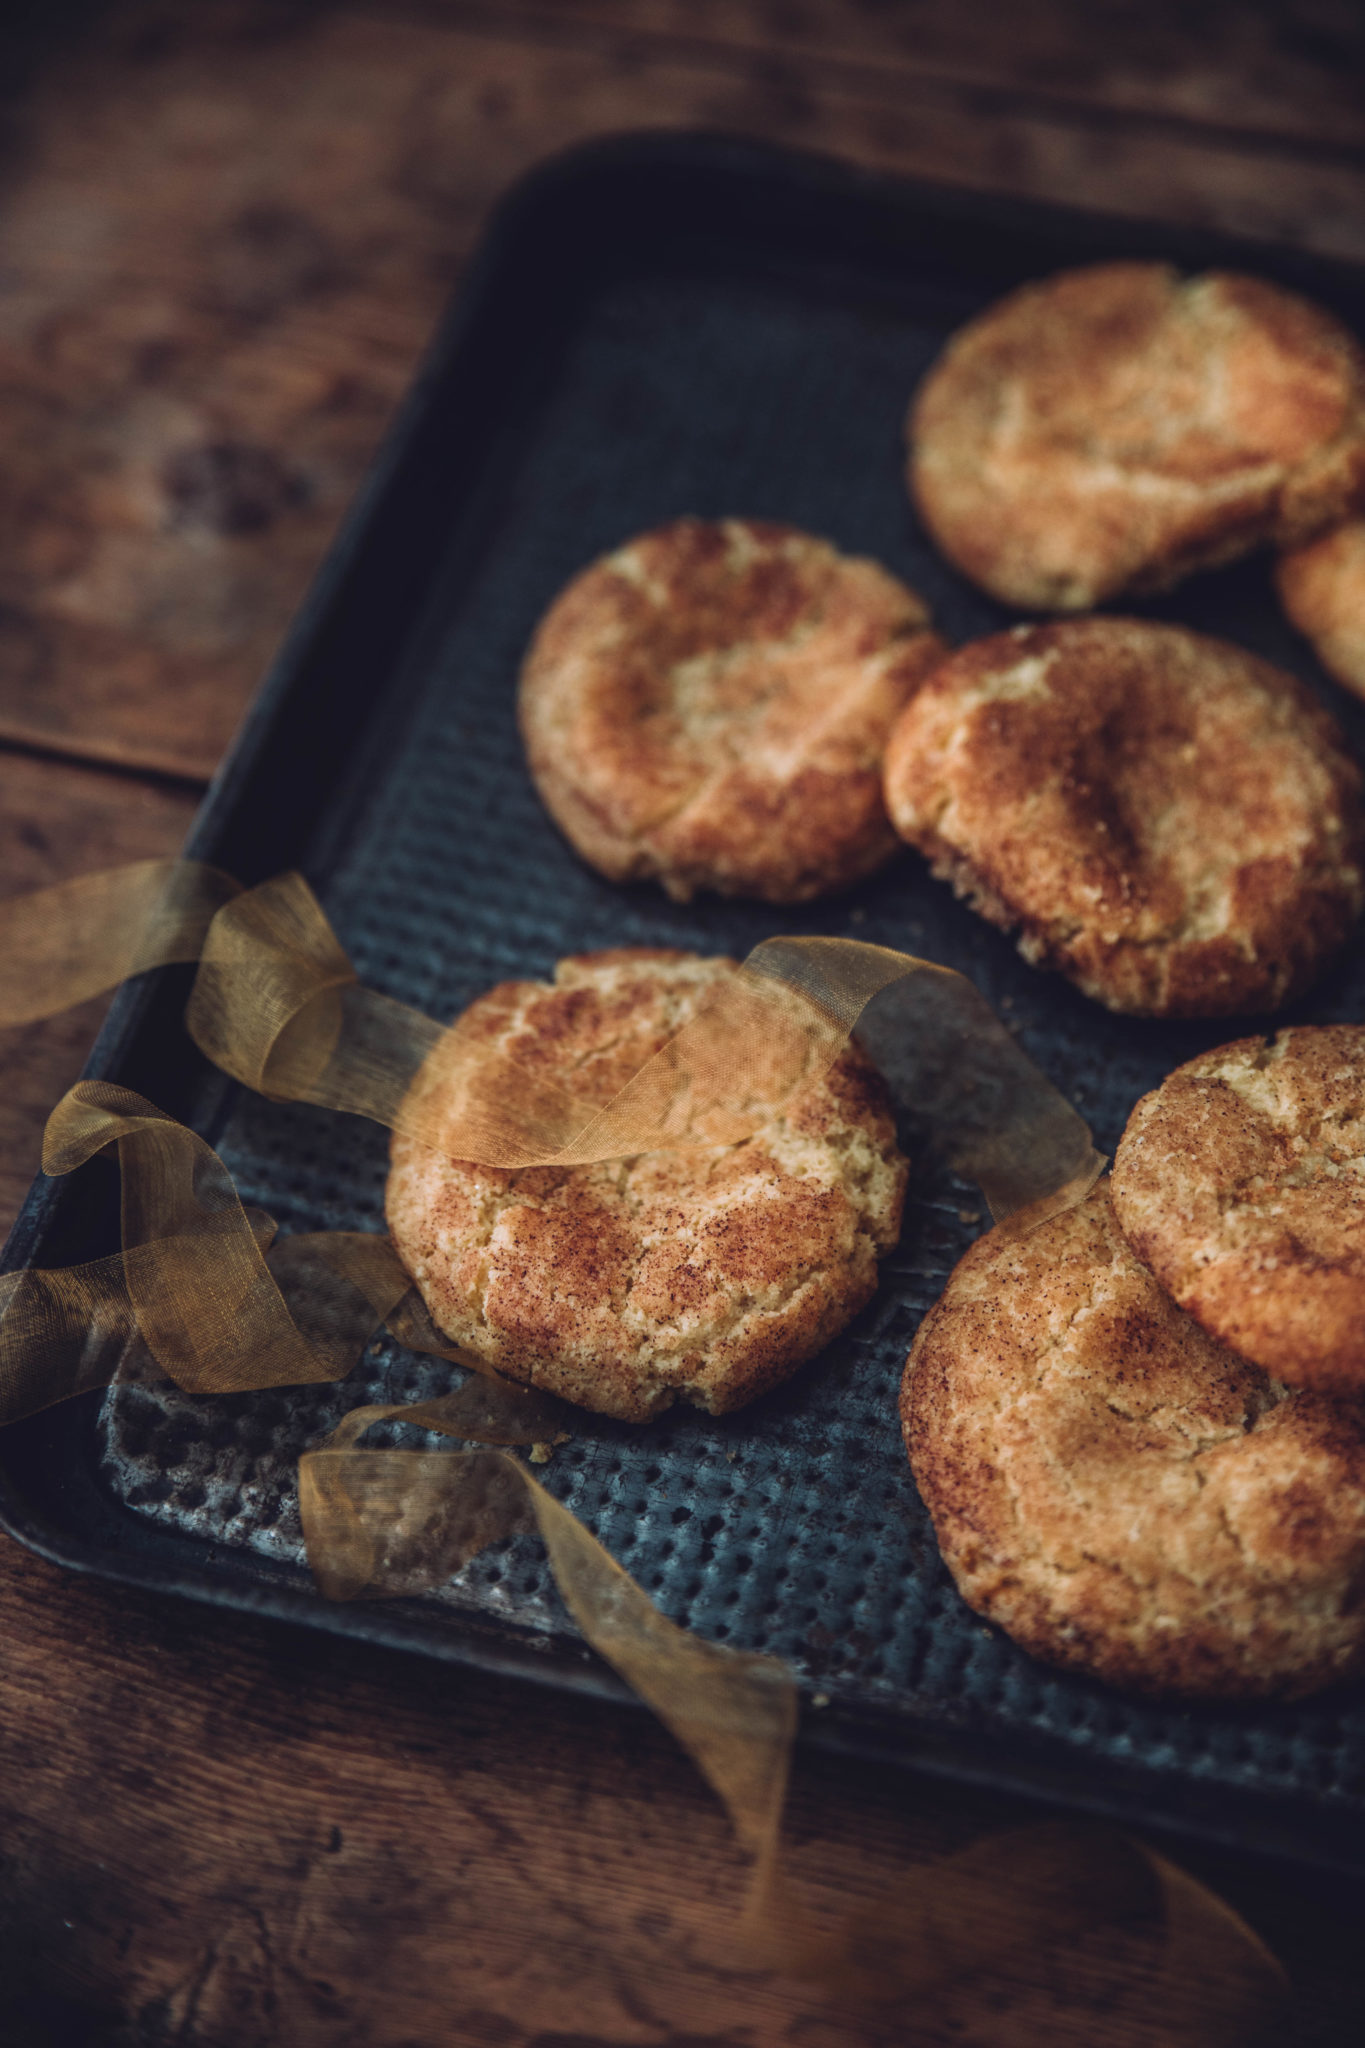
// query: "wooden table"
[[225, 231]]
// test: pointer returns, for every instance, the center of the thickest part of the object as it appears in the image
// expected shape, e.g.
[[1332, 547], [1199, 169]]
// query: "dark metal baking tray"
[[654, 326]]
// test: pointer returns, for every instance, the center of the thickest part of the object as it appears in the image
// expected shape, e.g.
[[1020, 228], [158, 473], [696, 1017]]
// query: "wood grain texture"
[[1283, 70], [224, 234], [58, 820], [230, 231], [228, 1834]]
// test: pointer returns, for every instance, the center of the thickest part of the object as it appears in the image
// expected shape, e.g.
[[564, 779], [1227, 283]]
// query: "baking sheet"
[[753, 354]]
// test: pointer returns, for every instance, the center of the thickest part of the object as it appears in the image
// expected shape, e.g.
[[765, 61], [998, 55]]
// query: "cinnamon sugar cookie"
[[1171, 822], [1113, 428], [708, 707], [705, 1275], [1241, 1182], [1322, 587], [1122, 1494]]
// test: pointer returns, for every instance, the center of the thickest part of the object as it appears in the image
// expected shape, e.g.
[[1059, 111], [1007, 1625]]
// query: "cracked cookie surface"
[[708, 707], [1113, 428], [1122, 1494], [1171, 822], [1241, 1182], [706, 1275], [1322, 587]]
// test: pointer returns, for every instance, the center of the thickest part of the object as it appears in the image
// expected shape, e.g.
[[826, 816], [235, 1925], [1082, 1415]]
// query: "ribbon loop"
[[384, 1521], [221, 1302], [201, 1292], [266, 1002]]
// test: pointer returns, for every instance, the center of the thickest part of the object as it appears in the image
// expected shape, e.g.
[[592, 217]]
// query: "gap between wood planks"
[[105, 759]]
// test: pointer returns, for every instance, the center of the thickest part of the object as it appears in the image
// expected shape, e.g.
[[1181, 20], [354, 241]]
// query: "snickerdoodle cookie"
[[1322, 587], [1171, 822], [706, 1275], [708, 707], [1241, 1182], [1111, 429], [1120, 1492]]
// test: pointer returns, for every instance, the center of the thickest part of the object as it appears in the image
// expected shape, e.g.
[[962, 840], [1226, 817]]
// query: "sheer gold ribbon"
[[81, 937], [224, 1306], [380, 1522], [276, 1004]]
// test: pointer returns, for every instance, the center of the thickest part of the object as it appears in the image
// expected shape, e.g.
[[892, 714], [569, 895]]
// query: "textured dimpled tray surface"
[[689, 381]]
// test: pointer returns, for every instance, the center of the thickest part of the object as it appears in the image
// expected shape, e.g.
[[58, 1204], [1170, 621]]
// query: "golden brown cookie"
[[1322, 587], [1112, 429], [1241, 1182], [1169, 821], [1122, 1494], [708, 707], [705, 1275]]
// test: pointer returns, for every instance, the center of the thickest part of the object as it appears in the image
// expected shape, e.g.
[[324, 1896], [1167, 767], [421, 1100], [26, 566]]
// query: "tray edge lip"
[[732, 152]]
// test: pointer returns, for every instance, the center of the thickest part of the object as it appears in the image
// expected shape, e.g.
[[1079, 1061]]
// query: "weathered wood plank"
[[223, 1834], [1278, 71], [58, 820], [225, 248]]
